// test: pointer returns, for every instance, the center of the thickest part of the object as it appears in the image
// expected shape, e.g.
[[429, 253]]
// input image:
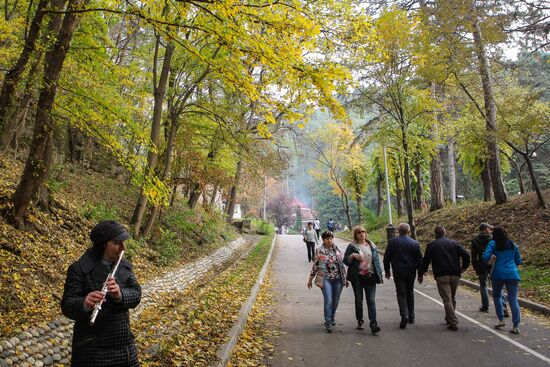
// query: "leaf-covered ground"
[[33, 262], [256, 344], [187, 328]]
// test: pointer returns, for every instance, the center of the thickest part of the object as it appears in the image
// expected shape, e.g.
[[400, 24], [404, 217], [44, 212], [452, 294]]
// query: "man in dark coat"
[[109, 342], [446, 257], [404, 256], [478, 246]]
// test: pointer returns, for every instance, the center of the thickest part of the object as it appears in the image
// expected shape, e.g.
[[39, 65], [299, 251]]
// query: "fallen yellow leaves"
[[255, 344], [186, 328]]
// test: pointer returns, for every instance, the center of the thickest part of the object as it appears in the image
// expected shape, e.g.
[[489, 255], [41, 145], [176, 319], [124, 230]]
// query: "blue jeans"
[[485, 294], [369, 287], [512, 288], [331, 295]]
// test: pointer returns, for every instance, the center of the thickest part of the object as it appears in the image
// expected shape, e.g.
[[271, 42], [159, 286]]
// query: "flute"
[[97, 306]]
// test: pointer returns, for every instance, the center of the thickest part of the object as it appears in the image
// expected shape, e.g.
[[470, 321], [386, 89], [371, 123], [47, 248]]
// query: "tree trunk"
[[486, 181], [490, 116], [7, 96], [398, 196], [452, 170], [359, 202], [534, 181], [233, 194], [194, 197], [408, 190], [213, 198], [158, 92], [436, 183], [40, 153], [379, 195], [419, 199]]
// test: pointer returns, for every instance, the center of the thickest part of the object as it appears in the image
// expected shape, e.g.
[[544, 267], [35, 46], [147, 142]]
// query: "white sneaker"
[[500, 325]]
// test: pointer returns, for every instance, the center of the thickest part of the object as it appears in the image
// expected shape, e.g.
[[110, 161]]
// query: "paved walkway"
[[427, 342], [49, 344]]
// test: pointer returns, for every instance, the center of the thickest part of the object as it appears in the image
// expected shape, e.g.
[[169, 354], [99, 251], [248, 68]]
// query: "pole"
[[265, 199], [390, 229], [387, 187]]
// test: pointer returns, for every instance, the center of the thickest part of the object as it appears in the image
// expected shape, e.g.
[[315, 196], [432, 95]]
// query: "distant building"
[[308, 215]]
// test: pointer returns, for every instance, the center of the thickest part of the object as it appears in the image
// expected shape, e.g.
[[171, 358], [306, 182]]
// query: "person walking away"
[[478, 246], [311, 240], [364, 272], [330, 275], [331, 226], [405, 258], [317, 227], [505, 256], [109, 341], [449, 259]]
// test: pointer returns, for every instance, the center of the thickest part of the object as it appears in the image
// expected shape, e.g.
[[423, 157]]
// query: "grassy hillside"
[[33, 263], [526, 223]]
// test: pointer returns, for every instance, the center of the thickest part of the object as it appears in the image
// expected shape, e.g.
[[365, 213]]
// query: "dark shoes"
[[328, 327], [374, 328], [360, 324], [411, 320], [403, 323], [452, 327], [333, 322], [484, 309]]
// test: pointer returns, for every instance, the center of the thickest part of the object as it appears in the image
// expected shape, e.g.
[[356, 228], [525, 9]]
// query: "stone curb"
[[49, 344], [533, 306], [522, 301], [225, 352]]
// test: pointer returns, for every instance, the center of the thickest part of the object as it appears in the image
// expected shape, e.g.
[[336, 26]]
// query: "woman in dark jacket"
[[505, 256], [364, 272], [109, 342]]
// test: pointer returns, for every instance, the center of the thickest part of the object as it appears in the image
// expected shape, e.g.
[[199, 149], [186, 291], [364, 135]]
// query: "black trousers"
[[310, 250], [404, 287]]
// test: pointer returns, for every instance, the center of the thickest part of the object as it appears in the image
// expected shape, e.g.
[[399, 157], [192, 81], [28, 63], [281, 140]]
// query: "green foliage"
[[262, 227], [374, 222], [298, 223], [98, 212], [134, 248], [168, 247]]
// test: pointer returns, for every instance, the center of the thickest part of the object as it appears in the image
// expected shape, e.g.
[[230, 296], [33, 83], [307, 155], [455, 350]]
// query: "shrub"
[[168, 247], [98, 212], [262, 227]]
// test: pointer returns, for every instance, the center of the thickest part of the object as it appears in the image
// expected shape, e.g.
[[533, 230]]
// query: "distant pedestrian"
[[311, 240], [330, 275], [364, 272], [317, 227], [404, 256], [505, 256], [331, 226], [478, 246], [449, 259]]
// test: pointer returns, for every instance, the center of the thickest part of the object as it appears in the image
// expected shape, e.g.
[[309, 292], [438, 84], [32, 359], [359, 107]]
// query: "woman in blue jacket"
[[506, 257]]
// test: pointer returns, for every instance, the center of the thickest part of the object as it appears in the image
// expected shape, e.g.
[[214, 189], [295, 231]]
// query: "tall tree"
[[40, 153]]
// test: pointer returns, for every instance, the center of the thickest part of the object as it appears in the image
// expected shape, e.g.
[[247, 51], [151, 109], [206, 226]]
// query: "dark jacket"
[[404, 256], [479, 244], [445, 256], [109, 342], [353, 265]]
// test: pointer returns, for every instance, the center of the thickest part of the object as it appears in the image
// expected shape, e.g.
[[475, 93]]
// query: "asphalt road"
[[427, 342]]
